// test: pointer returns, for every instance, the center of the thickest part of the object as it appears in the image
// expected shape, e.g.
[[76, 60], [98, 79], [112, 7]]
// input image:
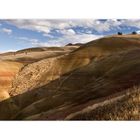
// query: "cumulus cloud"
[[6, 30], [47, 25]]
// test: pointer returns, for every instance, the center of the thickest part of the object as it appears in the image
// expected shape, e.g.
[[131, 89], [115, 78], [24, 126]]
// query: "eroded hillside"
[[63, 86], [8, 70]]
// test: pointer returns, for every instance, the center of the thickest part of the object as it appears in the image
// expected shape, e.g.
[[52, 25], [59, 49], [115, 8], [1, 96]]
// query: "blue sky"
[[18, 34]]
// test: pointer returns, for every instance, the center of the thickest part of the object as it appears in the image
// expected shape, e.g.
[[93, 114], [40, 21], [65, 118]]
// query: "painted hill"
[[31, 55], [77, 83]]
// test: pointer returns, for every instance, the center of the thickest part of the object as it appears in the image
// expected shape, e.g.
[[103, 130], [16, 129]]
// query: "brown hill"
[[53, 68], [31, 55], [38, 49], [61, 87]]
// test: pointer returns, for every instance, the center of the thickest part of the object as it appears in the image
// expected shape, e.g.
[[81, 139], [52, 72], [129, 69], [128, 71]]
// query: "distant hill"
[[74, 44], [38, 49], [31, 55]]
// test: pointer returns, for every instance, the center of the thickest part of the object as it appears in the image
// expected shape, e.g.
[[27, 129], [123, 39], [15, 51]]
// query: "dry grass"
[[126, 108]]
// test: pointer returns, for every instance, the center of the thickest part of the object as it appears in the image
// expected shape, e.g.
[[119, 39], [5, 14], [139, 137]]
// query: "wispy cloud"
[[6, 30], [32, 41]]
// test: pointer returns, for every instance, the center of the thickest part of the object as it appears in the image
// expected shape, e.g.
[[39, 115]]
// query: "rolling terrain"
[[31, 55], [94, 81]]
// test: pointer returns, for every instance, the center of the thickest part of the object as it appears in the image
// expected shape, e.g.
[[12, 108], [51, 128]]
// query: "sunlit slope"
[[8, 70], [31, 55]]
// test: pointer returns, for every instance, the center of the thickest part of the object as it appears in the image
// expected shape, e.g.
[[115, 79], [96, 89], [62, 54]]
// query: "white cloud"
[[31, 41], [10, 50], [67, 32], [48, 25], [89, 32], [138, 32], [35, 25], [131, 23], [6, 30], [48, 35]]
